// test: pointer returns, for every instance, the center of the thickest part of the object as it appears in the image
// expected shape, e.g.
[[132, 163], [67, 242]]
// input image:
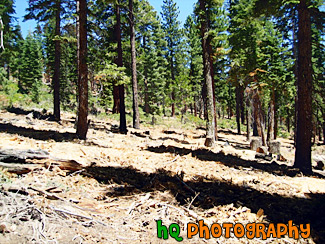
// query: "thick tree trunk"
[[304, 83], [136, 115], [210, 136], [119, 63], [57, 62], [82, 125], [258, 116]]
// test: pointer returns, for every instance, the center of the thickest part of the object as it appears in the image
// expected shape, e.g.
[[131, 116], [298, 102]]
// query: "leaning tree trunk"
[[304, 85], [136, 116], [210, 136], [57, 62], [82, 125], [119, 63]]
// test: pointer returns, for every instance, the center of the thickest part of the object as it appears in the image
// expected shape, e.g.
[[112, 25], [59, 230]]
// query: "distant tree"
[[82, 123], [31, 68], [45, 11], [10, 36], [195, 61], [173, 36], [153, 66]]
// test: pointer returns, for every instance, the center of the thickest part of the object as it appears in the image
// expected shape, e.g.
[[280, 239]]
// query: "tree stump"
[[274, 147], [255, 143], [209, 142]]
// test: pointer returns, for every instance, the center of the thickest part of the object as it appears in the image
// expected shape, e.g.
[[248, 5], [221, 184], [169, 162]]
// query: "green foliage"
[[111, 74]]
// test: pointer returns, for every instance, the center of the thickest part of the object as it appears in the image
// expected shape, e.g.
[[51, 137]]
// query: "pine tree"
[[306, 10], [44, 11], [173, 36], [195, 61], [153, 66], [10, 36], [30, 73]]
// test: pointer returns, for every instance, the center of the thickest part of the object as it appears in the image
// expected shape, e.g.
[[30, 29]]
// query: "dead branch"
[[48, 195], [188, 187]]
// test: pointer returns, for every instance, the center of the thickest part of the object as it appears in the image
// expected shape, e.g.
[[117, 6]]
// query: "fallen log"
[[21, 161]]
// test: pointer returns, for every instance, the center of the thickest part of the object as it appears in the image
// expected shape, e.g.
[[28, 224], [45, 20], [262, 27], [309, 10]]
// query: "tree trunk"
[[82, 125], [258, 116], [212, 78], [304, 83], [146, 94], [172, 69], [119, 63], [238, 108], [57, 62], [270, 131], [249, 122], [136, 116], [210, 136], [119, 60]]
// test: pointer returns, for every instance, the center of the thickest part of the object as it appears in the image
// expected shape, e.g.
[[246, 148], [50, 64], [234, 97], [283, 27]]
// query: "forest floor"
[[112, 188]]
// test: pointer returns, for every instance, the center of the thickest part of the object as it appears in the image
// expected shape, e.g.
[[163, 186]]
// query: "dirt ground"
[[119, 185]]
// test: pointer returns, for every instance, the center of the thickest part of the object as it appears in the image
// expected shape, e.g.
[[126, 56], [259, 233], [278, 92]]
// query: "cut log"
[[274, 147], [255, 143], [262, 150]]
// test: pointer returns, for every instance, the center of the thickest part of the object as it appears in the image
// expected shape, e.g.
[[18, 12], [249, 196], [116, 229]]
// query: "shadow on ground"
[[231, 160], [37, 134], [213, 192], [36, 114]]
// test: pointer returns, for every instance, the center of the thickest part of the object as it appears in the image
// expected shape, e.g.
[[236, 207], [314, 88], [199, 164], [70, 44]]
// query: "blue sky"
[[185, 8]]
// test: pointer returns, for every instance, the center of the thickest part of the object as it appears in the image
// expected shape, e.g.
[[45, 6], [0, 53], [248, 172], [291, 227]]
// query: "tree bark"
[[136, 115], [82, 124], [210, 120], [57, 62], [304, 86]]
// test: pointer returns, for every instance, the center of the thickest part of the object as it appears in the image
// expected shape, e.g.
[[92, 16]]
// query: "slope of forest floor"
[[112, 188]]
